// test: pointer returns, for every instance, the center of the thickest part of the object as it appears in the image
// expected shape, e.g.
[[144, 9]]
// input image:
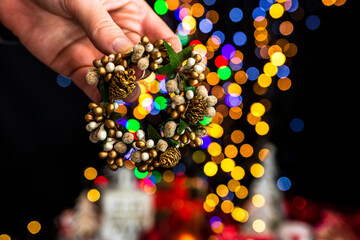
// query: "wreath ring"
[[190, 102]]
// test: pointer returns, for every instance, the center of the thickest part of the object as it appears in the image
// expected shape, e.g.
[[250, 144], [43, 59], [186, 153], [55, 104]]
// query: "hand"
[[67, 35]]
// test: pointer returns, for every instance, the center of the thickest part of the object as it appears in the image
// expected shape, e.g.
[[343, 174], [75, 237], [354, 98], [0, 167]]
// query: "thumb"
[[103, 32]]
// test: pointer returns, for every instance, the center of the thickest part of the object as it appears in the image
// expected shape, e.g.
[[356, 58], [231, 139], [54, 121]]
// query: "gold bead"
[[140, 144], [101, 71], [155, 55], [193, 82], [169, 109], [105, 60], [184, 139], [98, 111], [182, 145], [176, 137], [110, 161], [112, 154], [201, 77], [143, 168], [154, 66], [174, 114], [109, 123], [92, 105], [197, 58], [144, 40], [117, 59], [192, 144], [164, 54], [108, 77], [183, 116], [151, 168], [124, 63], [113, 167], [89, 117], [158, 43], [112, 133], [153, 153], [119, 162], [192, 136], [103, 155], [194, 74], [97, 63], [180, 108], [110, 109], [198, 141], [156, 164], [99, 118]]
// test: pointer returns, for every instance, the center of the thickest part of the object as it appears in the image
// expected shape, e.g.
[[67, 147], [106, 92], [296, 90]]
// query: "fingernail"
[[122, 45]]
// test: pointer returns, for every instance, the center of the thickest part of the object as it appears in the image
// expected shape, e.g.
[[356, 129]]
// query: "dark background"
[[44, 145]]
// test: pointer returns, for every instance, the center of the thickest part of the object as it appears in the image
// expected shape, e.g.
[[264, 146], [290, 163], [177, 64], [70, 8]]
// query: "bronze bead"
[[169, 109], [193, 82], [153, 153], [198, 141], [112, 154], [98, 111], [103, 155], [174, 114], [89, 117], [108, 77], [109, 123], [140, 144], [144, 40], [180, 108], [101, 71], [113, 167], [110, 161], [197, 58], [99, 118], [119, 162], [104, 60], [192, 136]]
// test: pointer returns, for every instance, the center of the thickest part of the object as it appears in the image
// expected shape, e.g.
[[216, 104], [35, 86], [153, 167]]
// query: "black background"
[[44, 146]]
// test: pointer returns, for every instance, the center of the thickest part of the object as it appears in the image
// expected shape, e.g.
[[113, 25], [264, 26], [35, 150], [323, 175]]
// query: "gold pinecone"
[[196, 110], [122, 84], [170, 157]]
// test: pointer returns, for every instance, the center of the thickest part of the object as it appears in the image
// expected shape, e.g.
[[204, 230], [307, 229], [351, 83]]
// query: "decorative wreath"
[[190, 102]]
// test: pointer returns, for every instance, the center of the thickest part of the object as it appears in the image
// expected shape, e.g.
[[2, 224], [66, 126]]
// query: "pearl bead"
[[101, 135], [107, 147], [159, 60], [145, 156], [198, 68], [119, 134], [189, 94], [116, 106], [111, 57], [190, 62], [110, 67], [119, 68], [149, 47], [140, 134], [150, 143]]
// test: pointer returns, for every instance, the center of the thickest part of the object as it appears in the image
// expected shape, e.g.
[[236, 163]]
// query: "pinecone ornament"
[[170, 157], [122, 84], [196, 110]]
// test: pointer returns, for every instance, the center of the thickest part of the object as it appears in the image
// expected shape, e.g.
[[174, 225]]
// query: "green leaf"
[[152, 133], [115, 116], [174, 58], [182, 126], [103, 90], [185, 53], [172, 142]]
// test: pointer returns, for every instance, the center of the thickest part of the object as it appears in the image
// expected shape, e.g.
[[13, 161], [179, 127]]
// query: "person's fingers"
[[90, 90], [103, 32], [155, 28]]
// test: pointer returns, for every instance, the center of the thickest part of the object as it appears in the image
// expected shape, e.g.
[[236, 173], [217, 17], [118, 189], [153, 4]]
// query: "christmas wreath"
[[190, 102]]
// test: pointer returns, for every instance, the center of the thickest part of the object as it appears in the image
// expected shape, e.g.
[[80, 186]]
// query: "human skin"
[[67, 35]]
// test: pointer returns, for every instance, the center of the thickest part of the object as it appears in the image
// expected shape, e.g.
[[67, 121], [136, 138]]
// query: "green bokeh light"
[[160, 103], [224, 72], [160, 7], [206, 121], [140, 175], [132, 125]]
